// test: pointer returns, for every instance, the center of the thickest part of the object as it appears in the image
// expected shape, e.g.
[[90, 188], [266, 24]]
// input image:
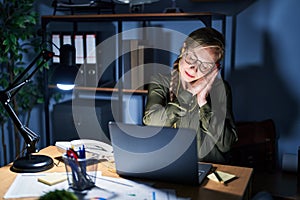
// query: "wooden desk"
[[239, 188]]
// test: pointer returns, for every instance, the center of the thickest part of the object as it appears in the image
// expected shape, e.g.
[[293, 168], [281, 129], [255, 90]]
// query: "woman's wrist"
[[202, 102], [201, 98]]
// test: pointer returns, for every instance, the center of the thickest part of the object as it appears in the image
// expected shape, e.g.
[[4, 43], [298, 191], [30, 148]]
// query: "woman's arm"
[[159, 111], [221, 129]]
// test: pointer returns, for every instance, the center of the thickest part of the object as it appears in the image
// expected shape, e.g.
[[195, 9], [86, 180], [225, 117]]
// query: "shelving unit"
[[119, 19]]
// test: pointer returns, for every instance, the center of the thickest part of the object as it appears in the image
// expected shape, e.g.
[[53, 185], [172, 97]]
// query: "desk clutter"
[[108, 185], [105, 151], [82, 179], [28, 186], [81, 168]]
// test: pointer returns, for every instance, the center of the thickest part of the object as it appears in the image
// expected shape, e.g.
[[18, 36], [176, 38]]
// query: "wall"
[[265, 77]]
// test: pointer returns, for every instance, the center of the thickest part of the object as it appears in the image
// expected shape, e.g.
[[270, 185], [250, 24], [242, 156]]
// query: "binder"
[[130, 62], [134, 63], [148, 69], [91, 49], [79, 46], [91, 68], [67, 39], [55, 47], [78, 43], [141, 66]]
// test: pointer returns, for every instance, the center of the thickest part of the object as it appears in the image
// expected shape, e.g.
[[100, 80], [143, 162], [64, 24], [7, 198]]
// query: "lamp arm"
[[29, 136], [16, 86]]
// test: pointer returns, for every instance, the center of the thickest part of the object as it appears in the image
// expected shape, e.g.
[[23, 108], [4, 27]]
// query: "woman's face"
[[197, 62]]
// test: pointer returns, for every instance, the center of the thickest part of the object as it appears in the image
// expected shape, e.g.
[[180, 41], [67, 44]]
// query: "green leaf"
[[5, 42], [13, 39], [40, 100], [31, 19]]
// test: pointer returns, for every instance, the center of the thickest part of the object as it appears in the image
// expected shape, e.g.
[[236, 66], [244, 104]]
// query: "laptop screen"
[[158, 153]]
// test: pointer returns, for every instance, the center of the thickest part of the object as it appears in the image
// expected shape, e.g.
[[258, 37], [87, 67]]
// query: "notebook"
[[157, 153]]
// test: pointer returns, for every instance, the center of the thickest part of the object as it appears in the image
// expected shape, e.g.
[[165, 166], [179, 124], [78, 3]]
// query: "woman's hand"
[[202, 86]]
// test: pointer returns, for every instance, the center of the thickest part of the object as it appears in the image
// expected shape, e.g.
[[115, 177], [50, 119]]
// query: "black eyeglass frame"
[[198, 63]]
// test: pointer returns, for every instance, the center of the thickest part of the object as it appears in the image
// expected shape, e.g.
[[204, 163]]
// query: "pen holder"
[[81, 173]]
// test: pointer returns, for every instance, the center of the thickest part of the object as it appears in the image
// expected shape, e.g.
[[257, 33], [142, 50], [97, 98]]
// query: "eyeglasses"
[[191, 59]]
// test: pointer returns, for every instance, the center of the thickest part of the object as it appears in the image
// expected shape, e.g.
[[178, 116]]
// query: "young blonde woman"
[[194, 96]]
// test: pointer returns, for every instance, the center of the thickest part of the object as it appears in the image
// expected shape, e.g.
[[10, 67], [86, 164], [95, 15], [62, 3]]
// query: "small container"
[[81, 173]]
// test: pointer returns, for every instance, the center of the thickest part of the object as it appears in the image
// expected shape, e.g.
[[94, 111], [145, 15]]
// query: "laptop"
[[157, 153]]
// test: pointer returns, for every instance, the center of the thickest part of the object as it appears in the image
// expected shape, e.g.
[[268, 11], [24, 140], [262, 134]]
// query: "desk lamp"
[[28, 163], [32, 163]]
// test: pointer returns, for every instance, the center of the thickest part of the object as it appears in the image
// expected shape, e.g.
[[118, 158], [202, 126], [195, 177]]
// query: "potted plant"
[[18, 40]]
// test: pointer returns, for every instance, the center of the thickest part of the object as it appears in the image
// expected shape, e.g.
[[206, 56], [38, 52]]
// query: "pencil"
[[218, 177]]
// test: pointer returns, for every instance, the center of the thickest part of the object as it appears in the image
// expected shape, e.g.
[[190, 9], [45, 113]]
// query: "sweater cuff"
[[184, 98], [205, 113]]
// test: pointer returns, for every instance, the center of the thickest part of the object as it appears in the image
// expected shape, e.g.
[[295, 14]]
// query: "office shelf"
[[73, 22]]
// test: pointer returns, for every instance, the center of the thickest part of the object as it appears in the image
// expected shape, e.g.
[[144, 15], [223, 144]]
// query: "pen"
[[83, 157], [82, 152], [112, 181], [218, 177], [153, 196]]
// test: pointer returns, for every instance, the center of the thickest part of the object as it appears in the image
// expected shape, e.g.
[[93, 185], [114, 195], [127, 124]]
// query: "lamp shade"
[[65, 72]]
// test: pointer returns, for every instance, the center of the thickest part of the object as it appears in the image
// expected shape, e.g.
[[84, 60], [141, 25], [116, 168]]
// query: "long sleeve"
[[217, 122], [213, 121], [159, 111]]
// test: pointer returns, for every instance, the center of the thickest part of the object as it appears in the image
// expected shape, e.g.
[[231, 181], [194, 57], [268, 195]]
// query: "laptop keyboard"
[[200, 172]]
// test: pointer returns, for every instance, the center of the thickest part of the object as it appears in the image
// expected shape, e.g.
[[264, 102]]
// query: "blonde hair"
[[205, 37]]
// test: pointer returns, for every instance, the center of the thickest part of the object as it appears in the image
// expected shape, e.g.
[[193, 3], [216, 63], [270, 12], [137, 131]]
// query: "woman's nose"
[[193, 67]]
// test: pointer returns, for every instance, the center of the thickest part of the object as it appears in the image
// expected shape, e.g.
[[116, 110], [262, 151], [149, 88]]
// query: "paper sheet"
[[27, 185], [223, 175]]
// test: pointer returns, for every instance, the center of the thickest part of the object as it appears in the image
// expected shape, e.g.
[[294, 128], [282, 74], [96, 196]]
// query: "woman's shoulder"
[[222, 84], [161, 78]]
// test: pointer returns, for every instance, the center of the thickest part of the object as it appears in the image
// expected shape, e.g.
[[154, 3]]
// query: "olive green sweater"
[[213, 122]]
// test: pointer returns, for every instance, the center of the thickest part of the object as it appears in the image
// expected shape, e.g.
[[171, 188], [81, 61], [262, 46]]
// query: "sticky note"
[[52, 178], [223, 175]]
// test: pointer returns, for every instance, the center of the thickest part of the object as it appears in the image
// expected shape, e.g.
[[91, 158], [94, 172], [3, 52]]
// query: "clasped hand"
[[202, 86]]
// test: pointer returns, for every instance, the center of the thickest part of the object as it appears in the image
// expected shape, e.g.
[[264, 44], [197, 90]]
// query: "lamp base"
[[32, 163]]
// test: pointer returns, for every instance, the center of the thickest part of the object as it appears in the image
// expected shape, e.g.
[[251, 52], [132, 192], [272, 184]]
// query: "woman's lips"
[[189, 75]]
